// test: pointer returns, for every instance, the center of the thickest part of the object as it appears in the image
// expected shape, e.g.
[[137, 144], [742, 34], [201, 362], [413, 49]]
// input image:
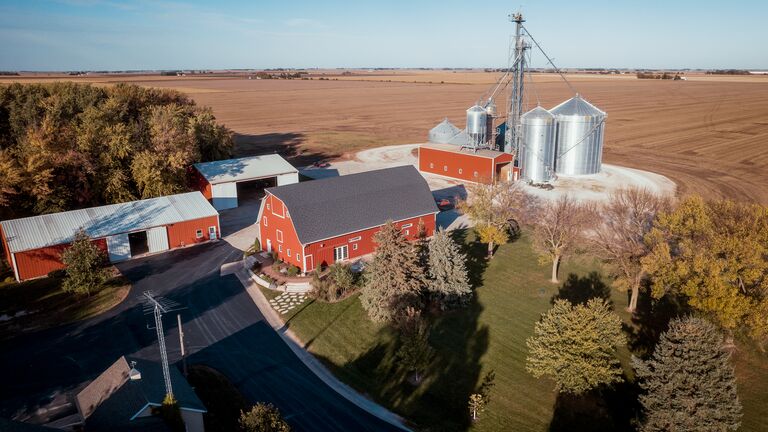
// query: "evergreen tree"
[[448, 283], [263, 417], [415, 352], [576, 346], [84, 262], [689, 383], [394, 280]]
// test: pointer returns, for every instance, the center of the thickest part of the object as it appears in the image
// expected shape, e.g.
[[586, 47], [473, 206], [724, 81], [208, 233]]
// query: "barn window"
[[354, 239], [268, 207], [279, 248], [340, 253], [445, 168], [199, 233], [460, 170], [288, 251], [354, 246], [265, 220], [298, 257], [407, 232], [279, 235], [288, 215], [406, 225], [431, 165], [476, 174]]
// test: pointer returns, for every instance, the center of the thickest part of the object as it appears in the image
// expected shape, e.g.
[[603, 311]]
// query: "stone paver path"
[[287, 301]]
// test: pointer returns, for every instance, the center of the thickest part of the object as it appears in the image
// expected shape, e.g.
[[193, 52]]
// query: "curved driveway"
[[223, 329]]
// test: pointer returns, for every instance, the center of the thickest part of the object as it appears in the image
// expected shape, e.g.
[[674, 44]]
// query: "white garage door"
[[119, 248], [224, 196], [157, 239]]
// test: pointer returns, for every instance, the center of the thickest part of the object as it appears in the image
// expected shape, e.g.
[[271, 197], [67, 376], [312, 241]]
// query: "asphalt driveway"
[[223, 329]]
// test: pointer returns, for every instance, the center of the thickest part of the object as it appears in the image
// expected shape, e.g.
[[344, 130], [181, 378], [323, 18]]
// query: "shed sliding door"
[[157, 239]]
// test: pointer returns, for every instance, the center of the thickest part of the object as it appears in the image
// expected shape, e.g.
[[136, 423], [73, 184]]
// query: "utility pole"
[[181, 343], [517, 70]]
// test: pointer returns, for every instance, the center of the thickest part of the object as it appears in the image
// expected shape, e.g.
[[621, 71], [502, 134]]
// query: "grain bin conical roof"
[[443, 132], [537, 113], [576, 106]]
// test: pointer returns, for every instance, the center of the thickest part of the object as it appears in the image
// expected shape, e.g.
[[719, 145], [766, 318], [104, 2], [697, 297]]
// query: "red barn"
[[33, 245], [478, 166], [320, 222]]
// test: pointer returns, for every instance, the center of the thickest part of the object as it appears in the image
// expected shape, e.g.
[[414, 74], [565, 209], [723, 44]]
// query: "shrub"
[[57, 274], [293, 271], [256, 267], [341, 275], [276, 266], [256, 245], [273, 254]]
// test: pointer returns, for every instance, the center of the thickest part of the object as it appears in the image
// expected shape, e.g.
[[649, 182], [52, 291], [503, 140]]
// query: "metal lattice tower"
[[159, 306], [512, 134]]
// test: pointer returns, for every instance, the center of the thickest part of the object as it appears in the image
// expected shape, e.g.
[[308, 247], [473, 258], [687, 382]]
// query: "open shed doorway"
[[139, 243], [253, 190]]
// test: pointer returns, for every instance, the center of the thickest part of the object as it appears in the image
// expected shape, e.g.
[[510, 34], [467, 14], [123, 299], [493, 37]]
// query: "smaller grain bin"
[[537, 149], [477, 126]]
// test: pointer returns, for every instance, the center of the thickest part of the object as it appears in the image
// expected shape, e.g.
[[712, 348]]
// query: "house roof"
[[113, 399], [334, 206], [247, 168], [59, 228]]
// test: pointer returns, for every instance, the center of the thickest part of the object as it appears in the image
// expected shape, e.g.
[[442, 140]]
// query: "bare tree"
[[617, 235], [559, 227], [497, 208]]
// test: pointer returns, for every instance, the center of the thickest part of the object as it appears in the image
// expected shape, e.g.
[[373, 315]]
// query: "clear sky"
[[143, 34]]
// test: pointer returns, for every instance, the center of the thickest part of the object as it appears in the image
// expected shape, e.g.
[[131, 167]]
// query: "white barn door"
[[224, 196], [119, 248], [157, 239]]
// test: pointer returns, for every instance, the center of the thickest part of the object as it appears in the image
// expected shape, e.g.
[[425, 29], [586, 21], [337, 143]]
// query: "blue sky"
[[122, 35]]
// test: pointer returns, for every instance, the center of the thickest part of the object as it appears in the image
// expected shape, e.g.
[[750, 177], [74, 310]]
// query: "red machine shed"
[[33, 245], [320, 222], [481, 166]]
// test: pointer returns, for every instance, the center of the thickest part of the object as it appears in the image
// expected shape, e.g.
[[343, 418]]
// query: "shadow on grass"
[[651, 319], [579, 290], [605, 409], [459, 342]]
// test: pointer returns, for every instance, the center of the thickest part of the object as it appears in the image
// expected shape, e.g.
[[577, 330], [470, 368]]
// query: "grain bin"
[[443, 132], [477, 126], [579, 148], [537, 149]]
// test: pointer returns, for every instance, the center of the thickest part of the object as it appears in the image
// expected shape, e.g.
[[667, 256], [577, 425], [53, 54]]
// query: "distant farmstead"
[[33, 245], [223, 181], [320, 222]]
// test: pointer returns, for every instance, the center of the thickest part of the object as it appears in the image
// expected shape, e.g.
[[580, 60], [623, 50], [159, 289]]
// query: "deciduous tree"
[[263, 417], [688, 383], [559, 229], [84, 262], [448, 283], [393, 280], [575, 345], [495, 208], [714, 253], [619, 230]]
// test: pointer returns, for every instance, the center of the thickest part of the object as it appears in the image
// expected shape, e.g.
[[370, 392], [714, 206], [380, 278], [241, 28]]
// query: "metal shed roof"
[[59, 228], [242, 169], [334, 206]]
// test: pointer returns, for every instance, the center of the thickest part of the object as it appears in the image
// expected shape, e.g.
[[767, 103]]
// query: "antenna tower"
[[517, 70], [158, 306]]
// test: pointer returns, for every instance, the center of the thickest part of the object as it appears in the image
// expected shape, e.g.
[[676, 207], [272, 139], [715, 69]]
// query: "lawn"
[[513, 290], [41, 303]]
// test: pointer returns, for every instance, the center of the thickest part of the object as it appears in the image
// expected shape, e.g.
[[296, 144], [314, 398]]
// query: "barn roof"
[[334, 206], [247, 168], [59, 228]]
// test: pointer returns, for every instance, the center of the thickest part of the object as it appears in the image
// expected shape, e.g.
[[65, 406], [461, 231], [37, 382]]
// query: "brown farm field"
[[708, 134]]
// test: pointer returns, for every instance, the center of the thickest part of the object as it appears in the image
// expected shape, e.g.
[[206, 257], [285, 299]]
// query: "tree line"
[[65, 146]]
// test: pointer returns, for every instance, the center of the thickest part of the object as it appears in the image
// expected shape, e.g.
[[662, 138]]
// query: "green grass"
[[41, 303], [513, 290]]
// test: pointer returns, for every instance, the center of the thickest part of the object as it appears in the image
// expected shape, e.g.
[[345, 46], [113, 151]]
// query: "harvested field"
[[708, 134]]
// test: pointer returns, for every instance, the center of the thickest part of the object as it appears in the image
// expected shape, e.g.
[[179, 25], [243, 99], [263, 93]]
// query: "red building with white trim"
[[317, 223], [478, 166], [33, 245]]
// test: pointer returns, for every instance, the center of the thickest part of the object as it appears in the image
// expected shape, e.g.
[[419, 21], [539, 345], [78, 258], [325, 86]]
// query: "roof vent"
[[134, 373]]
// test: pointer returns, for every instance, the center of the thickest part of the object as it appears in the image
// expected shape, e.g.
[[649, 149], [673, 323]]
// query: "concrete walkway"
[[297, 346]]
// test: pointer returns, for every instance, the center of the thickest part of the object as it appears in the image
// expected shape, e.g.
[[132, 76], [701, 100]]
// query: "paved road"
[[223, 329]]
